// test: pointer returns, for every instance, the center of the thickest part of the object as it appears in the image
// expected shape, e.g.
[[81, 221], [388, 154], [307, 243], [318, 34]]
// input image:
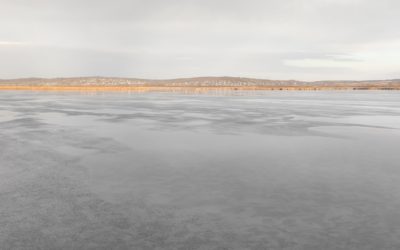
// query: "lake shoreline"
[[157, 88]]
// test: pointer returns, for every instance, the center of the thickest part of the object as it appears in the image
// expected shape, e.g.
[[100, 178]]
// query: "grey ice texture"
[[263, 170]]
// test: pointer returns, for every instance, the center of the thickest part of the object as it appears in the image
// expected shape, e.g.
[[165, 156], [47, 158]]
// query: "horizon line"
[[195, 77]]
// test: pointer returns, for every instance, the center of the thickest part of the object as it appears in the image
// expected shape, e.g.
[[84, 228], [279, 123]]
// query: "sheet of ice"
[[263, 170]]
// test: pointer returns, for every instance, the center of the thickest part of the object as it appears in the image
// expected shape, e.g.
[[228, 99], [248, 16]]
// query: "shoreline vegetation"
[[199, 84]]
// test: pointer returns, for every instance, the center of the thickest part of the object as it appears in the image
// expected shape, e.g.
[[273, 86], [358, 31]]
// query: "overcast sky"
[[275, 39]]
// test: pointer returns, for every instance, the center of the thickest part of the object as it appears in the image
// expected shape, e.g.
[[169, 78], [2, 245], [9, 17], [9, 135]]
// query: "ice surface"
[[264, 170]]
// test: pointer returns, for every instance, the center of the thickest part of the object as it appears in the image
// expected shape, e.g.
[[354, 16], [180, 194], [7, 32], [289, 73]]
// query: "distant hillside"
[[239, 82], [111, 81]]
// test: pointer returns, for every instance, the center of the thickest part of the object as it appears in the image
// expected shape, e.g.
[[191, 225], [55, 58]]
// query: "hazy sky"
[[277, 39]]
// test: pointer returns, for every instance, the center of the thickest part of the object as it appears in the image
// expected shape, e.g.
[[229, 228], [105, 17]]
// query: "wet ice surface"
[[264, 170]]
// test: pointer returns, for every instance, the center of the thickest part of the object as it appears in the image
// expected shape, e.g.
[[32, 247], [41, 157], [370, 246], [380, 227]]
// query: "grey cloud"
[[161, 39]]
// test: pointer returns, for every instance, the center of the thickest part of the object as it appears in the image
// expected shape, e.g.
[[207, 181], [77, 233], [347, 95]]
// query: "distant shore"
[[196, 84], [149, 88]]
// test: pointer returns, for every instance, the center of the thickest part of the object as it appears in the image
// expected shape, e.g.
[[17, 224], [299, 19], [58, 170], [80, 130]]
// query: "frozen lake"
[[264, 170]]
